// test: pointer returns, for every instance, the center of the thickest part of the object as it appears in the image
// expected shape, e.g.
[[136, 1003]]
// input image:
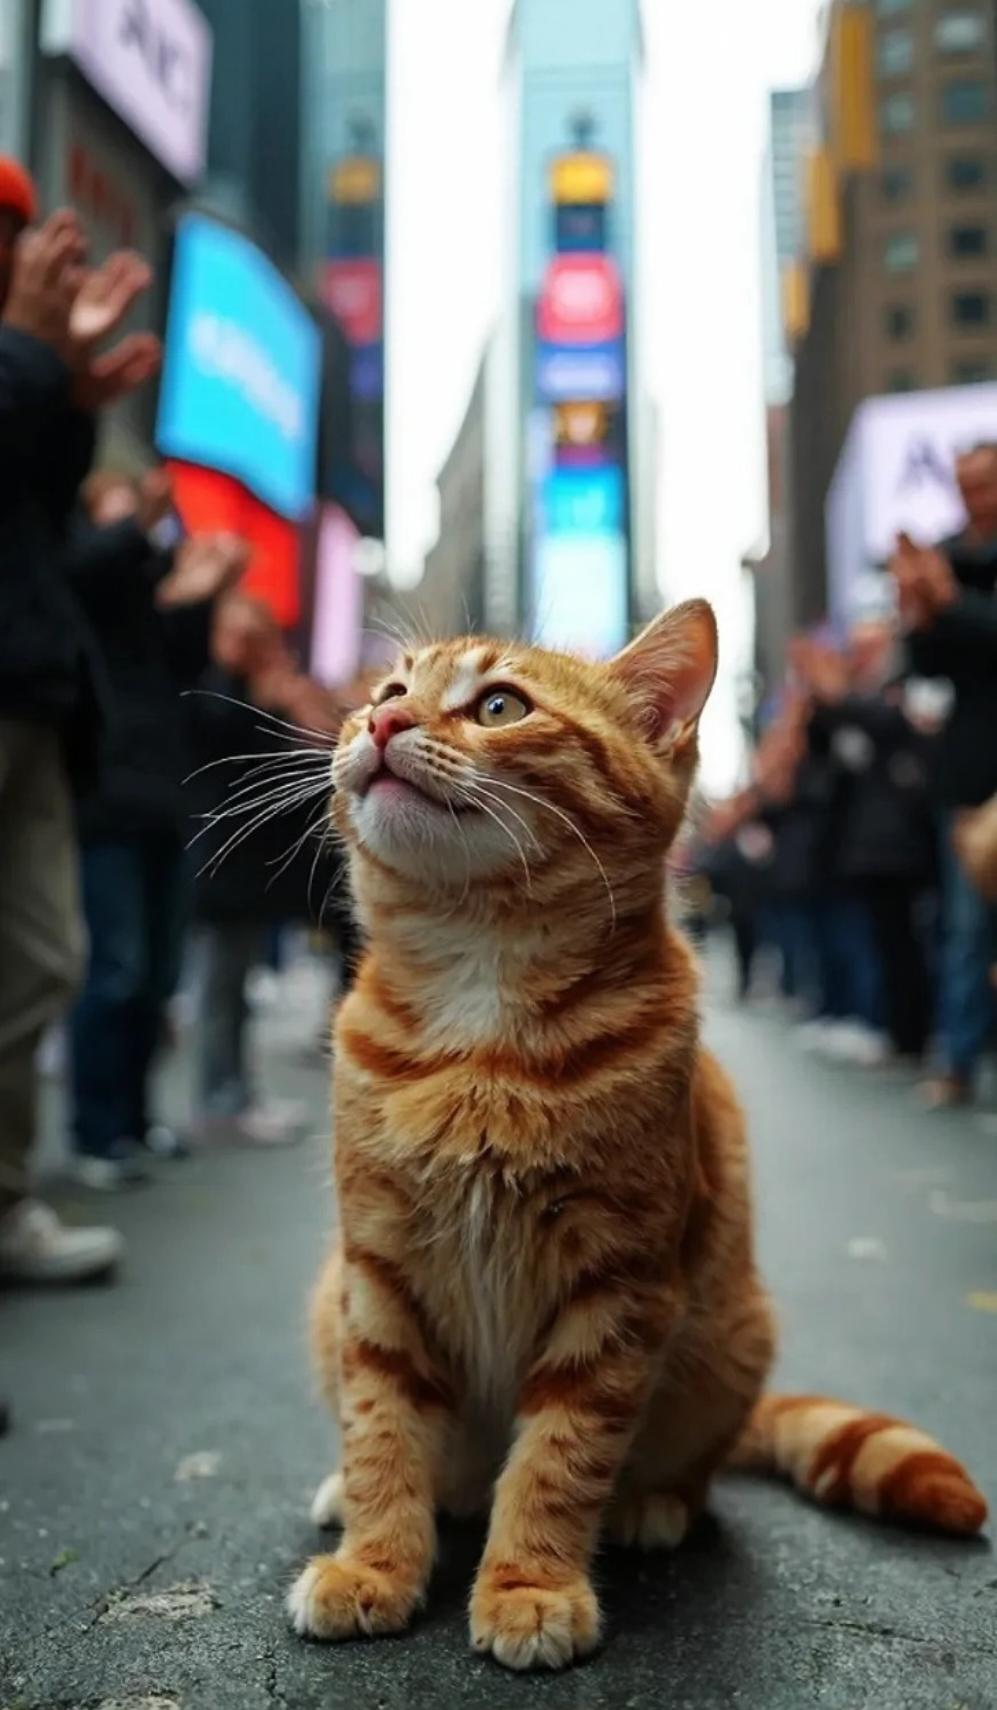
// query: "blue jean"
[[966, 996], [829, 956], [135, 896]]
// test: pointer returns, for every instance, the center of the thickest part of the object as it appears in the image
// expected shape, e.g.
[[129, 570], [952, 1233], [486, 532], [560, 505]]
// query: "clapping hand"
[[103, 299], [46, 279], [925, 583]]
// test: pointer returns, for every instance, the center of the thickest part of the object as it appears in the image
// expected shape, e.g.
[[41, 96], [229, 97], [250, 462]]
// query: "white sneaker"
[[124, 1168], [814, 1035], [855, 1043], [280, 1123], [36, 1247]]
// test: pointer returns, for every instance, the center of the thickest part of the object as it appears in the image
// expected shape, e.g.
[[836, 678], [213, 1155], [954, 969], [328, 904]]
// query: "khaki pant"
[[41, 930]]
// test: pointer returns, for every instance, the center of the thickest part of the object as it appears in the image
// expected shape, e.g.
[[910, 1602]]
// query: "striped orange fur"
[[544, 1303]]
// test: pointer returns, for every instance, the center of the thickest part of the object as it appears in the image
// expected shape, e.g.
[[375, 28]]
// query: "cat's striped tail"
[[848, 1457]]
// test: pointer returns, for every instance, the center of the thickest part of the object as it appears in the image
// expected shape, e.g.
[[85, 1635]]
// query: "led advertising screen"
[[241, 374], [577, 470]]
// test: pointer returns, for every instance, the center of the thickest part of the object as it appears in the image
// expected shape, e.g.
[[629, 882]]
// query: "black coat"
[[249, 883], [962, 645], [47, 668], [882, 824], [148, 658], [801, 832]]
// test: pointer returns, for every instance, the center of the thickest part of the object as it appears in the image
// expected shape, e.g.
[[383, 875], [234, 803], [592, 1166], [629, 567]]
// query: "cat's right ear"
[[669, 670]]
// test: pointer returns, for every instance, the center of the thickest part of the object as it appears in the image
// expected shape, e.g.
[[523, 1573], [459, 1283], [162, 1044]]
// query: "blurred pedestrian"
[[261, 860], [149, 598], [948, 608], [883, 852], [54, 313]]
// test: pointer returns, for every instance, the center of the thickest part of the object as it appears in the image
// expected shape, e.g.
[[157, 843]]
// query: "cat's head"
[[488, 763]]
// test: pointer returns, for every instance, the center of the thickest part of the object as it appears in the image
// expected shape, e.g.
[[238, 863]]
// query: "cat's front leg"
[[395, 1408], [533, 1604]]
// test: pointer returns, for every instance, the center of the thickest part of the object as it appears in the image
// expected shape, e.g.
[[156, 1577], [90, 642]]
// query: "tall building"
[[450, 598], [790, 128], [566, 558], [790, 124], [254, 146], [896, 285]]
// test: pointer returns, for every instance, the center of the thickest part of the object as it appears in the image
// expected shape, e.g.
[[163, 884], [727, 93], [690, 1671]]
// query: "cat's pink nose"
[[388, 721]]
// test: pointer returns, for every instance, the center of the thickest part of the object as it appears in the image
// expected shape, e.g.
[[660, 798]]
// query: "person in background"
[[54, 314], [268, 872], [949, 611], [150, 611], [883, 840]]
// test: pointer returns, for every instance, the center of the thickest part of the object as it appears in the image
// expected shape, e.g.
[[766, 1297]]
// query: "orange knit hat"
[[17, 190]]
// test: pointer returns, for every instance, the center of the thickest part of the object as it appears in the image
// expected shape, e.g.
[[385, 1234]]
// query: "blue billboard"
[[242, 370], [583, 501]]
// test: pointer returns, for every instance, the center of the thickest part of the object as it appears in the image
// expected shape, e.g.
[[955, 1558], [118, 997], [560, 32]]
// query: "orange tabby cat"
[[545, 1298]]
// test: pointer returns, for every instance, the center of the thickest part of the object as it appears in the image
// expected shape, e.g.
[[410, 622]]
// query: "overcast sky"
[[708, 71]]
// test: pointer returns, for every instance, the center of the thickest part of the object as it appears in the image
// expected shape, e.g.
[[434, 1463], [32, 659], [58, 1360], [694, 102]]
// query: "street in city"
[[166, 1441]]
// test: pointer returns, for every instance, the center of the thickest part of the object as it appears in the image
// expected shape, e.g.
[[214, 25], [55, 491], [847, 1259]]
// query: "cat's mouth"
[[386, 784]]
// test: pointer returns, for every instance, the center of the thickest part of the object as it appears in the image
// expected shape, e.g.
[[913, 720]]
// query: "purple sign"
[[151, 62], [566, 374]]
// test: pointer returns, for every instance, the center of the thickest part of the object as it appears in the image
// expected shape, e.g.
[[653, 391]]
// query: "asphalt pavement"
[[154, 1490]]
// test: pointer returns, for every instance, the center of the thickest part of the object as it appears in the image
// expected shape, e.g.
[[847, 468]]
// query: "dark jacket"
[[47, 669], [801, 831], [281, 869], [882, 824], [148, 658], [962, 645]]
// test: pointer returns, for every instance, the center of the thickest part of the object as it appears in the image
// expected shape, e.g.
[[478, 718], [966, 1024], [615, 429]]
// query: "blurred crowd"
[[109, 613], [861, 860]]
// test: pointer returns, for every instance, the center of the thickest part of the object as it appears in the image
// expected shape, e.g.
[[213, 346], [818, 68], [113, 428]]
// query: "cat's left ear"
[[669, 670]]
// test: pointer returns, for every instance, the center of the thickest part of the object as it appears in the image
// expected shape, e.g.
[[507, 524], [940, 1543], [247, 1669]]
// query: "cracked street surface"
[[154, 1491]]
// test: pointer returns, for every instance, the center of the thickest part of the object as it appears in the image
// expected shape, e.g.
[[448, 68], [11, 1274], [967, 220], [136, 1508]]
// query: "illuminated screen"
[[580, 593]]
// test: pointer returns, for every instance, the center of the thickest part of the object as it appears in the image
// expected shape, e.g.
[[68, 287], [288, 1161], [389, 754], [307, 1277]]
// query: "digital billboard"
[[352, 289], [577, 466], [241, 374]]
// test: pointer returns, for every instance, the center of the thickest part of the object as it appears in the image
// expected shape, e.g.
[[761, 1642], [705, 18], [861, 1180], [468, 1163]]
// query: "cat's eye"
[[391, 692], [502, 706]]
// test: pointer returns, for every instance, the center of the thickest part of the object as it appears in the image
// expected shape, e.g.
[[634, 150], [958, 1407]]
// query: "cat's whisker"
[[288, 859], [274, 757], [540, 802], [272, 810], [279, 796], [471, 795], [262, 712]]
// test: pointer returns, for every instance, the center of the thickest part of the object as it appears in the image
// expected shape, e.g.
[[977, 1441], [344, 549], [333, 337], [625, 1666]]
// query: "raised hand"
[[46, 280], [110, 377], [103, 300]]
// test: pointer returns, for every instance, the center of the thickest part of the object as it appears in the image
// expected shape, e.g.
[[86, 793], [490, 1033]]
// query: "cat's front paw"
[[335, 1598], [526, 1624]]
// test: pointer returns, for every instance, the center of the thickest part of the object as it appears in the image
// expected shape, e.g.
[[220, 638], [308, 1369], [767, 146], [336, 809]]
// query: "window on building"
[[972, 372], [968, 241], [971, 308], [895, 54], [900, 380], [966, 103], [898, 319], [960, 32], [900, 252], [966, 172], [896, 114], [897, 183]]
